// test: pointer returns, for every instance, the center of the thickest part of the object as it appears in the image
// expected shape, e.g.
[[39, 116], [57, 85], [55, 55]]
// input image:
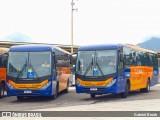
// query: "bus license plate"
[[93, 89], [27, 91]]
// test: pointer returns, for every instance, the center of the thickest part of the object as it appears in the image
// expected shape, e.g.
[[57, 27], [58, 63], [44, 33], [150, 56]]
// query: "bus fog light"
[[111, 83]]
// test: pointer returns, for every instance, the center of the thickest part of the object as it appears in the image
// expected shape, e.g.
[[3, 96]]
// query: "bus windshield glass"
[[29, 64], [96, 63]]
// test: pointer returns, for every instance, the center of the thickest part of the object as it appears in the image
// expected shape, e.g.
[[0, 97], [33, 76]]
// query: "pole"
[[72, 4]]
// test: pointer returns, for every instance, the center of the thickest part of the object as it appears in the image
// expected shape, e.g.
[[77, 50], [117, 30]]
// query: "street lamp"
[[72, 10]]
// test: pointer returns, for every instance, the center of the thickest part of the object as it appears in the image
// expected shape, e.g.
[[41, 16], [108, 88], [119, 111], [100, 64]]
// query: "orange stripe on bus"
[[28, 86], [94, 83]]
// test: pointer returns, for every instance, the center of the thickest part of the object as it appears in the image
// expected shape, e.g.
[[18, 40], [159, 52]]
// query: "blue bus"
[[102, 69], [37, 70]]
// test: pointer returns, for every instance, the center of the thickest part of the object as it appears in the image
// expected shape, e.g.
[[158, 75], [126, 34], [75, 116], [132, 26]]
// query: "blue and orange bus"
[[37, 70], [102, 69], [3, 65]]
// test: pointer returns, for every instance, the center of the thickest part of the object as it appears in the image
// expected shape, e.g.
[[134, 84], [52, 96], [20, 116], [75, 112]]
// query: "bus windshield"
[[29, 64], [96, 63]]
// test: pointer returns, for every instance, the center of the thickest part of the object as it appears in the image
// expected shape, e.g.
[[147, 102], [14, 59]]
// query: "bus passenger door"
[[121, 76], [54, 68]]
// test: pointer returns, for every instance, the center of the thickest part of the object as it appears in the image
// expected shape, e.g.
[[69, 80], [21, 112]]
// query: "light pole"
[[72, 10]]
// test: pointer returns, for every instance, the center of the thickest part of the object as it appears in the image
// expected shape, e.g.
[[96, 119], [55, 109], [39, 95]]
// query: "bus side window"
[[155, 60]]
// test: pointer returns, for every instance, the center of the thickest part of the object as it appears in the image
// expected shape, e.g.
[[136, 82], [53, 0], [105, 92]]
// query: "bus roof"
[[100, 47], [113, 46], [34, 48]]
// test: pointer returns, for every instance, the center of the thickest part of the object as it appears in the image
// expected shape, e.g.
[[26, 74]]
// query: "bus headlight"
[[10, 86], [78, 83], [46, 85], [111, 83]]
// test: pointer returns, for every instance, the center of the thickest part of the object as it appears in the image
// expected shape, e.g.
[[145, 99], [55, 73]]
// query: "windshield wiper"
[[34, 70], [87, 69], [90, 65], [99, 69], [20, 72]]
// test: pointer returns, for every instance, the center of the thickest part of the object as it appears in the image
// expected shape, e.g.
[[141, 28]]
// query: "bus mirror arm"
[[74, 53]]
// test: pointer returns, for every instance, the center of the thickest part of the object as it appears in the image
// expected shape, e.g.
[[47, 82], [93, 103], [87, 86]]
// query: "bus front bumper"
[[29, 92], [95, 90]]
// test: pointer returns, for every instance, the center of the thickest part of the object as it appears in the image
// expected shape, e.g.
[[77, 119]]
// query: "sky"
[[95, 22]]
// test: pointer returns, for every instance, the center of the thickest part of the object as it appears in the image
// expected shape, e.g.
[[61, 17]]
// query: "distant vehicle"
[[37, 70], [3, 65], [103, 69]]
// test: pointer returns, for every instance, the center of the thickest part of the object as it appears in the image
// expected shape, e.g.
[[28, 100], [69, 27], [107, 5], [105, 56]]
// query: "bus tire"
[[92, 96], [67, 89], [125, 93], [147, 89], [56, 93], [20, 98], [2, 88]]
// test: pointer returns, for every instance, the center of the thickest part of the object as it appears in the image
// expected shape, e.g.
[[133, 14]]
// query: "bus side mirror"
[[72, 57], [121, 57]]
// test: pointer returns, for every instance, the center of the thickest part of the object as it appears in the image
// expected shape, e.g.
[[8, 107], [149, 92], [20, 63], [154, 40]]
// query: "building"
[[8, 44]]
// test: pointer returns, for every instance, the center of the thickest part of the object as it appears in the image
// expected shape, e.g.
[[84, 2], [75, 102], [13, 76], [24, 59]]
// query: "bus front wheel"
[[1, 90], [20, 98], [125, 93], [92, 95], [67, 89], [56, 92]]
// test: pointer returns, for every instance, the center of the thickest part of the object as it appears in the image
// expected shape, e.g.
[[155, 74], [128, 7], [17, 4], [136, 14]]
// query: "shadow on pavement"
[[133, 96], [38, 98]]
